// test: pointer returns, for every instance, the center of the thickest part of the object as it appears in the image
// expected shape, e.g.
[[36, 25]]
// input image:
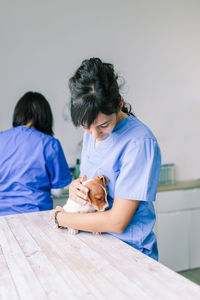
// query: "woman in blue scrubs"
[[118, 145], [32, 161]]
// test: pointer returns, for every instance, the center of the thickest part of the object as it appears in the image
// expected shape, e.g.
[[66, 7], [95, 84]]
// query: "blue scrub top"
[[31, 164], [130, 158]]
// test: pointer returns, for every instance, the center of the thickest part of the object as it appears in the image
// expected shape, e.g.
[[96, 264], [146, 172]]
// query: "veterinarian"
[[32, 161], [119, 146]]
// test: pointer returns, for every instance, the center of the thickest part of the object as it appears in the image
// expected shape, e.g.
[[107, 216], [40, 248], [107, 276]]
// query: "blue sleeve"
[[139, 171], [57, 167]]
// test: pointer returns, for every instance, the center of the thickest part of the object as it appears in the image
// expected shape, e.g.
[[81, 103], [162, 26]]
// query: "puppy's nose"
[[106, 206]]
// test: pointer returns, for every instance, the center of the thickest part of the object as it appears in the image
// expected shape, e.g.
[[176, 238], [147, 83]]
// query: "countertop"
[[179, 185], [40, 262]]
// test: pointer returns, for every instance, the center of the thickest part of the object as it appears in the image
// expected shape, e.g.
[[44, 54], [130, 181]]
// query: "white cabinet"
[[177, 228], [173, 239], [195, 239]]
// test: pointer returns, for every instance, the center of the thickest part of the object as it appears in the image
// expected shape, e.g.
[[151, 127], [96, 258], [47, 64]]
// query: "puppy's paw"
[[72, 231]]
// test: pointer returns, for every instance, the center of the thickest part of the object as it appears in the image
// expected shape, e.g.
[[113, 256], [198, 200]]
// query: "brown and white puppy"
[[97, 199]]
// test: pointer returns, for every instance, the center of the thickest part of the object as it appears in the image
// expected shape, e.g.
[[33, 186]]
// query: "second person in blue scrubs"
[[118, 145], [32, 162]]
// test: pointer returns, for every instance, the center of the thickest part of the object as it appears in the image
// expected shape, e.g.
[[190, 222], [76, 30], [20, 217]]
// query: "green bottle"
[[77, 169]]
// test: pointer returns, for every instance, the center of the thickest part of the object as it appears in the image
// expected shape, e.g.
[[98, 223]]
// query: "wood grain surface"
[[40, 262]]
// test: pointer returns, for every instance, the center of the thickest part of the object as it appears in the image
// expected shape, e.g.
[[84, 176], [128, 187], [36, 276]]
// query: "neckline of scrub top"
[[30, 130], [103, 144], [123, 123], [26, 128]]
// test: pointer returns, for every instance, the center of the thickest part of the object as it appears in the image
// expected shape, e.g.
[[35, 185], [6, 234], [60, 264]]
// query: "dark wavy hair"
[[33, 107], [94, 89]]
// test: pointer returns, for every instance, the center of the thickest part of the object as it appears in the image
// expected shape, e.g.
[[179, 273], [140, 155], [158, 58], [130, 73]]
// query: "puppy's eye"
[[99, 198]]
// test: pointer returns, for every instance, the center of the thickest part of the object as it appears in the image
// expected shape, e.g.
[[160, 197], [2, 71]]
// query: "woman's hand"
[[77, 191], [58, 208]]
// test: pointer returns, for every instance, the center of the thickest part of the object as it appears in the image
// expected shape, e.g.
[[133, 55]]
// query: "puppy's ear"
[[89, 198], [104, 179]]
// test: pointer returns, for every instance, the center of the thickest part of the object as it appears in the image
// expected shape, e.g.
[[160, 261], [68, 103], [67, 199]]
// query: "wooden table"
[[40, 262]]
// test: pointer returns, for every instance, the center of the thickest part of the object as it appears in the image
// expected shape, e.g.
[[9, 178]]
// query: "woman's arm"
[[114, 220]]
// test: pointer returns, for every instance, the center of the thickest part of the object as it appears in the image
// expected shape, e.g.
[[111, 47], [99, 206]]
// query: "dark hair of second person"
[[34, 108]]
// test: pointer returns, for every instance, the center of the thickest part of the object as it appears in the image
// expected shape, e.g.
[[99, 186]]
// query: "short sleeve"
[[139, 171], [57, 167]]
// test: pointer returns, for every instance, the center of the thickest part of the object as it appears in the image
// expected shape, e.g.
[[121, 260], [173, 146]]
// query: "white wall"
[[154, 44]]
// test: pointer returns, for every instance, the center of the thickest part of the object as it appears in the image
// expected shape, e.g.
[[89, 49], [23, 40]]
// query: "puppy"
[[97, 199]]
